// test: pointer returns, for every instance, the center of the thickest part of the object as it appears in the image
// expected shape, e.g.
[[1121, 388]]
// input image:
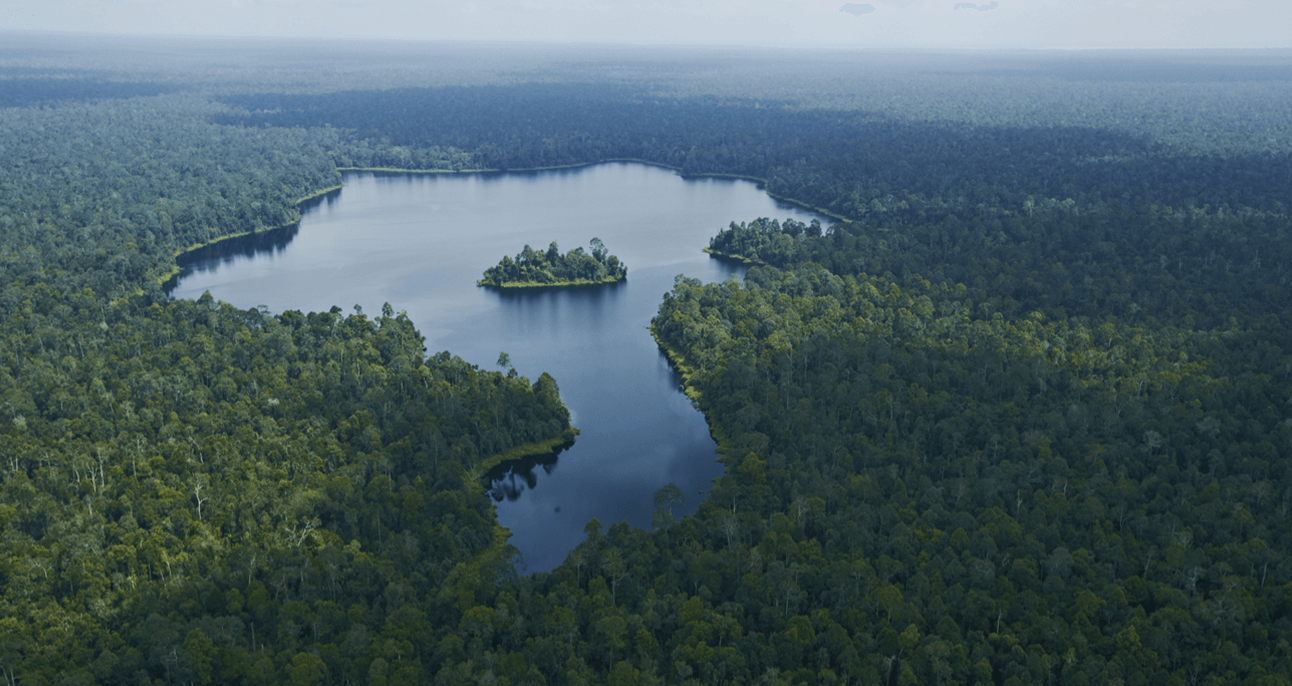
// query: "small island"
[[531, 268]]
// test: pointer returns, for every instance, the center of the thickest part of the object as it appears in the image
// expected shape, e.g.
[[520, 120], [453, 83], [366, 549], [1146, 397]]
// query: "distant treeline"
[[839, 160], [24, 88]]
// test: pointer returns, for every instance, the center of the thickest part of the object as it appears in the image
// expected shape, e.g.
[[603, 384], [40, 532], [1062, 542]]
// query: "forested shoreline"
[[1023, 418]]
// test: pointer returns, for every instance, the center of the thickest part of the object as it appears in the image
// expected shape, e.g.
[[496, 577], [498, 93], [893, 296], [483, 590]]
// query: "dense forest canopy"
[[1022, 415]]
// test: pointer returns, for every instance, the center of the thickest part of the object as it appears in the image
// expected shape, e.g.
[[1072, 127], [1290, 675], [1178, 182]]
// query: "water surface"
[[420, 242]]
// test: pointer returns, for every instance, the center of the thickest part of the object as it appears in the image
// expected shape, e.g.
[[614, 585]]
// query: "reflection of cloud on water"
[[857, 9]]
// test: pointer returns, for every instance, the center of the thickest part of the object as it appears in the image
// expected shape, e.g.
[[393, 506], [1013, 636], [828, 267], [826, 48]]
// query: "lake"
[[420, 242]]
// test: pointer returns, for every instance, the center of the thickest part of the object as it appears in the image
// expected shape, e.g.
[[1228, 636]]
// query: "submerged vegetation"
[[531, 268], [1023, 418]]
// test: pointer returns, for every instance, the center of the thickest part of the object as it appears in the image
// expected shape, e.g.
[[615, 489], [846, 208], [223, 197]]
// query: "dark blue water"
[[420, 242]]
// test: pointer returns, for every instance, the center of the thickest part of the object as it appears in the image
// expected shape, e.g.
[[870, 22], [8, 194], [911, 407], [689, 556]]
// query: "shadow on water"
[[590, 298], [210, 258], [329, 198], [510, 479], [544, 314]]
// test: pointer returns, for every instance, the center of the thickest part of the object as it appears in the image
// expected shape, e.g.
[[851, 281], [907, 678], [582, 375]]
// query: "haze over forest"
[[936, 24]]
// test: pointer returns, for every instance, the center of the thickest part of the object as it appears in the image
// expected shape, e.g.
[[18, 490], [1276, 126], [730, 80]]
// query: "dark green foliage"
[[104, 195], [551, 268], [1012, 479], [234, 446], [763, 241], [851, 161], [1024, 419]]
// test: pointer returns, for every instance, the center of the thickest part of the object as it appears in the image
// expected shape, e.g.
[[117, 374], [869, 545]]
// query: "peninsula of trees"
[[531, 268]]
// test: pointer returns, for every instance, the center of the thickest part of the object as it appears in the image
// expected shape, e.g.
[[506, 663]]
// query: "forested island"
[[1023, 418], [549, 268]]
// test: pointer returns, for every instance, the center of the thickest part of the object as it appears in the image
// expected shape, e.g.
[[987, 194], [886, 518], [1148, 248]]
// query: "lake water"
[[420, 242]]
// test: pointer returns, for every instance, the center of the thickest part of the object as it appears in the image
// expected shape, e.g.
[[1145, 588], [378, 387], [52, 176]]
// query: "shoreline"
[[518, 285], [520, 452], [678, 362], [821, 211], [732, 257], [180, 252], [396, 170], [577, 165]]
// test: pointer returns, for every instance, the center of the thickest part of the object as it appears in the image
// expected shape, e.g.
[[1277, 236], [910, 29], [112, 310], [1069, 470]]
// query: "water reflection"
[[544, 312], [510, 479], [210, 258]]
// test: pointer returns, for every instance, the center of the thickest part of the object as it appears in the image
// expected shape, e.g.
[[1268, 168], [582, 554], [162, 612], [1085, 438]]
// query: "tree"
[[666, 499], [199, 652], [306, 669]]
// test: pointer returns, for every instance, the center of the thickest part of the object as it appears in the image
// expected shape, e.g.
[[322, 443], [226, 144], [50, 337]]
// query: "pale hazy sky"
[[781, 23]]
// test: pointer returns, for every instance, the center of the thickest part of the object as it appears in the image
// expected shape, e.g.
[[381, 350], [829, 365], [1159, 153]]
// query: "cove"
[[420, 242]]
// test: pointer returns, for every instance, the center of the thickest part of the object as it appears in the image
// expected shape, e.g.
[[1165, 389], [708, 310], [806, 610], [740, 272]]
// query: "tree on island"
[[550, 268]]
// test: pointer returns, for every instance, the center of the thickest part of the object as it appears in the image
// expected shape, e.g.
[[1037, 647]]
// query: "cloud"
[[980, 8], [856, 9]]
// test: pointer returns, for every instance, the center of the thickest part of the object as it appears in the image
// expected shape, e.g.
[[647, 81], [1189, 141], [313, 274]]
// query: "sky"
[[1068, 24]]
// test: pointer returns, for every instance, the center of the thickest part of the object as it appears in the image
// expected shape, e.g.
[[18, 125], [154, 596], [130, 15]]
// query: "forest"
[[1021, 414], [547, 268]]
